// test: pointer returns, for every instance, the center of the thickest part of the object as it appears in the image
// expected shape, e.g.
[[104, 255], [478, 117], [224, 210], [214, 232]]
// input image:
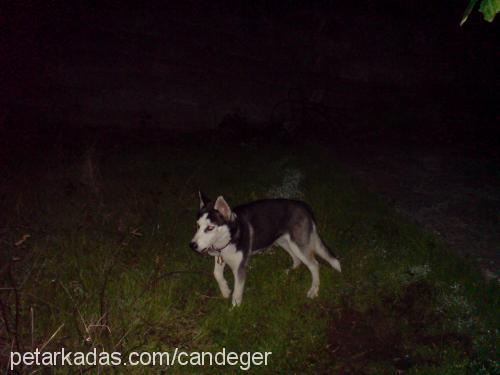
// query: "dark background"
[[384, 69], [399, 92]]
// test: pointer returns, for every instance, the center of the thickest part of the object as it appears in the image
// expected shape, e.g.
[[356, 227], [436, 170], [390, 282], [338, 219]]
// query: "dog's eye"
[[209, 228]]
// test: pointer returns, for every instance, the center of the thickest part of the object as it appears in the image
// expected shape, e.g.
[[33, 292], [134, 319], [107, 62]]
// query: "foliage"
[[489, 8]]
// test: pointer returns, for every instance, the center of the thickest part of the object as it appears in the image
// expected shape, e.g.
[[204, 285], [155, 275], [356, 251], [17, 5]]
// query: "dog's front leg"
[[237, 263], [219, 276], [239, 284]]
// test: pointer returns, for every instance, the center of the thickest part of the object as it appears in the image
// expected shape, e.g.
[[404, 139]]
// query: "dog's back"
[[269, 219]]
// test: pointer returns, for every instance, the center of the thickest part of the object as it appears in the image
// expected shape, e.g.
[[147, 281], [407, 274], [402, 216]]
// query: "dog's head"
[[213, 225]]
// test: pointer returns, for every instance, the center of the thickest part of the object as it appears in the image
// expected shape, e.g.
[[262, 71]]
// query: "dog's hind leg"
[[219, 276], [323, 252], [306, 257], [284, 244]]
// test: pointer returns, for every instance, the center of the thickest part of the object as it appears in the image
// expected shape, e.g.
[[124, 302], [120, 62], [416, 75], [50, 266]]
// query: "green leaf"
[[489, 8], [472, 4]]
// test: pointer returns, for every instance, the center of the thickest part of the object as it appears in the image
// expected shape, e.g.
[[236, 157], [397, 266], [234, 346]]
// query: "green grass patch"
[[113, 271]]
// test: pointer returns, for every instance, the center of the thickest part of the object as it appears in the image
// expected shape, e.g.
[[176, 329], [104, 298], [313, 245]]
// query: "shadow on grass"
[[392, 334]]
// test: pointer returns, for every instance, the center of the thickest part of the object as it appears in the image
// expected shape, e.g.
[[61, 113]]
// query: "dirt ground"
[[453, 192]]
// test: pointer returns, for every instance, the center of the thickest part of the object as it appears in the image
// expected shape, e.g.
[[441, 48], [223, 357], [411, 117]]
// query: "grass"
[[113, 271]]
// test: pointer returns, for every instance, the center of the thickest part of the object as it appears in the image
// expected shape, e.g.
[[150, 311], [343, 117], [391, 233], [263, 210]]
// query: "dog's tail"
[[324, 252]]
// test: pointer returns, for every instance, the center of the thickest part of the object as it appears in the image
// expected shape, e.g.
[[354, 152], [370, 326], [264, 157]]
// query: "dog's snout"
[[193, 245]]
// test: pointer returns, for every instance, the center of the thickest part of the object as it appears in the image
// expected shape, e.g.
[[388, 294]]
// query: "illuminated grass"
[[116, 272]]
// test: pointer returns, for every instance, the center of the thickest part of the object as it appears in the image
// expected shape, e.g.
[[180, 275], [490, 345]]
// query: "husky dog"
[[233, 235]]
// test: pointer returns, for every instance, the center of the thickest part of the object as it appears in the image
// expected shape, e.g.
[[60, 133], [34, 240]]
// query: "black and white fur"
[[233, 235]]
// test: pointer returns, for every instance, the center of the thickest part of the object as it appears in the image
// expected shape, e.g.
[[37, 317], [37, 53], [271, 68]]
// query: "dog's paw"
[[226, 292], [236, 301], [336, 265], [313, 292]]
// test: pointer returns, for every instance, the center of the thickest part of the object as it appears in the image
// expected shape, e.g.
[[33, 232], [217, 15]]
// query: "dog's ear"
[[204, 200], [222, 206]]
